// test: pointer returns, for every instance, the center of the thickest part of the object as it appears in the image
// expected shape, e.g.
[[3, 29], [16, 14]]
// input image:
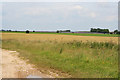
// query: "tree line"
[[59, 31], [93, 30], [98, 30]]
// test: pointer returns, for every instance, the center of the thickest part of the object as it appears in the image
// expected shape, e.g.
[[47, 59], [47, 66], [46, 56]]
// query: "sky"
[[59, 0], [52, 16]]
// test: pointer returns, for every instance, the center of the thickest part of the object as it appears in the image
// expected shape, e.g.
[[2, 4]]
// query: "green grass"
[[79, 59], [78, 34]]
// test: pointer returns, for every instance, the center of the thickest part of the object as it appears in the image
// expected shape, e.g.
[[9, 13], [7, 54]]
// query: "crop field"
[[68, 55], [76, 34]]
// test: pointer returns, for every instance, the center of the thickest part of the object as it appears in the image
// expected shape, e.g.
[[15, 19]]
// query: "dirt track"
[[14, 67]]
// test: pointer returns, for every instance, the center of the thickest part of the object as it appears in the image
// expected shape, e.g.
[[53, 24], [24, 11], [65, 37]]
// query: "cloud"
[[35, 11], [78, 7], [111, 18], [93, 14], [64, 10]]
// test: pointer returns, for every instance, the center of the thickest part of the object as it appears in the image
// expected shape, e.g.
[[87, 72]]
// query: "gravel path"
[[14, 67]]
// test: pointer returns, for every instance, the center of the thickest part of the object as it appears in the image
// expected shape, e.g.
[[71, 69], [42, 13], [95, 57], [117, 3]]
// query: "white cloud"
[[111, 18], [78, 7], [93, 15], [36, 11], [64, 9]]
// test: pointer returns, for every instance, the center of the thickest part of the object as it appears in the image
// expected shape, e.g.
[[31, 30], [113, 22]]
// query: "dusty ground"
[[14, 67]]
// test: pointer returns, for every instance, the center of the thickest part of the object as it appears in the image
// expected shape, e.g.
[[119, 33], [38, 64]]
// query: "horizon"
[[54, 30]]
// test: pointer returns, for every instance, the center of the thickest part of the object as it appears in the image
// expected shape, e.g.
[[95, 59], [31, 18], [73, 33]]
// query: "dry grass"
[[63, 38]]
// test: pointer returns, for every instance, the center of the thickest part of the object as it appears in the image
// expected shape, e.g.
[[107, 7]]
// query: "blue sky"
[[52, 16]]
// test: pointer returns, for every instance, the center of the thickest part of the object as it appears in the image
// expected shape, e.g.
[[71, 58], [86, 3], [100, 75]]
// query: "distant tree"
[[106, 30], [111, 33], [27, 31], [115, 31], [57, 31], [67, 31], [33, 31], [98, 30], [3, 30], [118, 32], [9, 30], [91, 30], [60, 31]]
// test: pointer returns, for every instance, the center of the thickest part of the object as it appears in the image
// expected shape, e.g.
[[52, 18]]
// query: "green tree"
[[98, 30], [115, 31]]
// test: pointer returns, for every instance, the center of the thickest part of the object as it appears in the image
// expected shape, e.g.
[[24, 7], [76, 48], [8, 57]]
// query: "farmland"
[[76, 56], [76, 34]]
